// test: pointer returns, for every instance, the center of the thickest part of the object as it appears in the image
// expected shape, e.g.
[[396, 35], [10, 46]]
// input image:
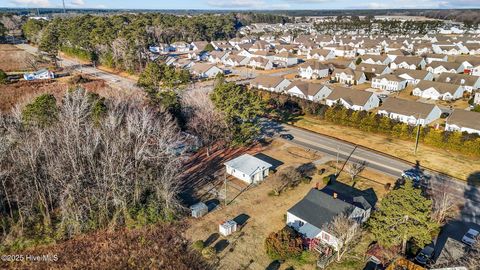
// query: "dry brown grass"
[[267, 213], [442, 160], [24, 91], [14, 59]]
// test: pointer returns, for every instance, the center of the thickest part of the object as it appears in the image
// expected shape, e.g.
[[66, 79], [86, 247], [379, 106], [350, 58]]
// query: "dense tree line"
[[121, 41], [460, 142], [384, 27], [467, 16], [84, 164]]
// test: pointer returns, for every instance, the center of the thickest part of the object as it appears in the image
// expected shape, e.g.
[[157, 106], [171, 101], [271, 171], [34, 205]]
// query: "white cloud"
[[236, 4], [78, 3], [246, 4], [31, 3]]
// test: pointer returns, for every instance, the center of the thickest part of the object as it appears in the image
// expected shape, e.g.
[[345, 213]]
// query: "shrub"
[[208, 253], [198, 245], [3, 77], [284, 244], [42, 111]]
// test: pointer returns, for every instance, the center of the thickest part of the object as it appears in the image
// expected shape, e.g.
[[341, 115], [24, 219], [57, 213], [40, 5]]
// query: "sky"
[[244, 4]]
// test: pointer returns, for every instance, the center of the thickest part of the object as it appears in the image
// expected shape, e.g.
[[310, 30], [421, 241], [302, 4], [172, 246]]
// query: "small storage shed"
[[199, 210], [248, 168], [228, 227]]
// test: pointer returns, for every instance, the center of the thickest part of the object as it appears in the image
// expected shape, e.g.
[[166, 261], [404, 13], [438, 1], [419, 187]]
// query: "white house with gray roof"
[[410, 112], [463, 121], [318, 208], [248, 168]]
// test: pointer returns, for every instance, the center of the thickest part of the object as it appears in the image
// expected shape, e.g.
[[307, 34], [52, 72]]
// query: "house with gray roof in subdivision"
[[410, 112], [408, 62], [463, 121], [469, 82], [389, 82], [310, 91], [313, 69], [248, 168], [271, 83], [438, 90], [352, 99], [349, 76], [318, 208], [413, 76]]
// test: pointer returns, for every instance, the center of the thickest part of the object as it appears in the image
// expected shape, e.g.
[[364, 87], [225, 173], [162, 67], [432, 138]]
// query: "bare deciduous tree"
[[203, 119], [354, 169], [444, 205], [85, 174], [346, 231]]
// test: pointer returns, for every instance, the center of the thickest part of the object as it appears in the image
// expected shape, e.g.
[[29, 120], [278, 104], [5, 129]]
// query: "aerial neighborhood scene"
[[238, 135]]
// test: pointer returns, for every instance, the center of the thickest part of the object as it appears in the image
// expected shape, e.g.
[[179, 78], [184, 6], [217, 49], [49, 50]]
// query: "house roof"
[[411, 60], [389, 77], [374, 57], [464, 118], [415, 74], [319, 207], [355, 73], [313, 64], [308, 89], [352, 96], [321, 52], [446, 65], [248, 164], [407, 107], [371, 68], [202, 67], [442, 88], [454, 78], [267, 81]]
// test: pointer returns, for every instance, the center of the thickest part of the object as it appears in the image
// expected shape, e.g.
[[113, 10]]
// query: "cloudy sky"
[[246, 4]]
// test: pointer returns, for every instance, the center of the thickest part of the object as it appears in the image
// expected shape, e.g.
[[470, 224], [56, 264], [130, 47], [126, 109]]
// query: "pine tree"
[[403, 215]]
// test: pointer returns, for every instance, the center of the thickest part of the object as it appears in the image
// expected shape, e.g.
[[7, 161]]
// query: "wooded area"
[[83, 164]]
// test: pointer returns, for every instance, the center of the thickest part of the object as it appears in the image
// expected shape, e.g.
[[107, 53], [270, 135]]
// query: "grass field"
[[458, 165], [23, 91], [13, 59]]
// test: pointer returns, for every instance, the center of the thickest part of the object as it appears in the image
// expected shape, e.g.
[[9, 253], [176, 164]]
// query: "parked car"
[[470, 237], [287, 137], [413, 175], [425, 256]]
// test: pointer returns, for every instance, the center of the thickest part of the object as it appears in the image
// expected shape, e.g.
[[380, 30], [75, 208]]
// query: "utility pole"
[[418, 136], [338, 153], [64, 9], [225, 183]]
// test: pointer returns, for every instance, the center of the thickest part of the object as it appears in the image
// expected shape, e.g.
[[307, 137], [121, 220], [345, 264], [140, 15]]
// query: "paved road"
[[112, 79], [463, 193]]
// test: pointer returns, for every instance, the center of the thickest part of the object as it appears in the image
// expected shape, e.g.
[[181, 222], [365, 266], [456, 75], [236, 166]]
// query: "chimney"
[[335, 195]]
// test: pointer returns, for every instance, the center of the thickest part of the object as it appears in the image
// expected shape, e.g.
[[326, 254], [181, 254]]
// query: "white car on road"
[[470, 237]]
